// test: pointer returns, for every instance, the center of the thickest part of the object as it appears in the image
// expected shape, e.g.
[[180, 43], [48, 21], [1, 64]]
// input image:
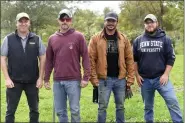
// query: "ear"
[[16, 23], [157, 23], [29, 22]]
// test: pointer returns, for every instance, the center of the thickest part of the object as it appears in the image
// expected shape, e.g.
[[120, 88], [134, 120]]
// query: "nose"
[[65, 20]]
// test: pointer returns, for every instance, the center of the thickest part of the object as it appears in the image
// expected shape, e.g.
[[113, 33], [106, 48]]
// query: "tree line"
[[43, 16]]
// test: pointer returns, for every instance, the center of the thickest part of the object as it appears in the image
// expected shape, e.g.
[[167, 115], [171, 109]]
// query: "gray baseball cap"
[[65, 11], [151, 17], [111, 15], [21, 15]]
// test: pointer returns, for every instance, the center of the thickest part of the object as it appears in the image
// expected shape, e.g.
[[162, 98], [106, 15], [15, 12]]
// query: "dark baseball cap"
[[111, 15]]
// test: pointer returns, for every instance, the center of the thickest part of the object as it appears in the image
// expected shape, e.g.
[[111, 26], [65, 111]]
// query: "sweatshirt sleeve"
[[85, 58], [135, 54], [49, 61], [169, 50]]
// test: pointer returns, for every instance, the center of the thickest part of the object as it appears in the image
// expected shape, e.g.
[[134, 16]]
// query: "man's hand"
[[47, 85], [128, 92], [9, 83], [129, 84], [96, 84], [83, 83], [39, 83], [164, 79], [139, 80]]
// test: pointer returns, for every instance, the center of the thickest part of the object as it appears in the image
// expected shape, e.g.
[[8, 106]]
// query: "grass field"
[[133, 107]]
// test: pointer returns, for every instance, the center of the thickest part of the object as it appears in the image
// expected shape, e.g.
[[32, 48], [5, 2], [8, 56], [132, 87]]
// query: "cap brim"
[[23, 17], [149, 19], [110, 18]]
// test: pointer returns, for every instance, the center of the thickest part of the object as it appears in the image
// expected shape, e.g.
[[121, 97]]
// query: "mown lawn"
[[133, 107]]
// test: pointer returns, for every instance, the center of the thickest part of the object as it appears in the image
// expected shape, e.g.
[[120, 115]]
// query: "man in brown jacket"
[[112, 66]]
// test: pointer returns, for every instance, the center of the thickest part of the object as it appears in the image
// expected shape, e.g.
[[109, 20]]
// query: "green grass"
[[133, 107]]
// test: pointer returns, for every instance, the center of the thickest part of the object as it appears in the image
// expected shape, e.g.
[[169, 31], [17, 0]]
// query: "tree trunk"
[[161, 14]]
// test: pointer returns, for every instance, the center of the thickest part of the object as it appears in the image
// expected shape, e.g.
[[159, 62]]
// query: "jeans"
[[62, 90], [13, 96], [167, 92], [104, 91]]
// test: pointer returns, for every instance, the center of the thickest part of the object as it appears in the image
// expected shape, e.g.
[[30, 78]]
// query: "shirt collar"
[[21, 36]]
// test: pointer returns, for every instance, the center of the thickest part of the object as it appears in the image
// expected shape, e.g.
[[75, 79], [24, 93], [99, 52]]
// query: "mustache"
[[64, 24]]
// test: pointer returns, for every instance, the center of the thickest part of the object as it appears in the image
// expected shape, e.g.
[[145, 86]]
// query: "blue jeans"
[[167, 92], [62, 90], [104, 91]]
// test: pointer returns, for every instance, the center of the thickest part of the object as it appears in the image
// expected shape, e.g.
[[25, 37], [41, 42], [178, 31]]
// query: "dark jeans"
[[13, 96]]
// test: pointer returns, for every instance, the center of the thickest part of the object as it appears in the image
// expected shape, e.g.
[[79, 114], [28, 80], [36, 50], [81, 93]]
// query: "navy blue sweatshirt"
[[153, 53]]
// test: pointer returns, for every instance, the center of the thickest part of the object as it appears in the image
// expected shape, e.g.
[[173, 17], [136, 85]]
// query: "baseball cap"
[[150, 16], [21, 15], [111, 15], [65, 11]]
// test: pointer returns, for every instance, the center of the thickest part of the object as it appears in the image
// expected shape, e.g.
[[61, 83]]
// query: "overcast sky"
[[100, 5]]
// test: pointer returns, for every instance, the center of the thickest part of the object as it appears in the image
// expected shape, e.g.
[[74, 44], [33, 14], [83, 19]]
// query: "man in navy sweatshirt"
[[154, 58], [65, 47]]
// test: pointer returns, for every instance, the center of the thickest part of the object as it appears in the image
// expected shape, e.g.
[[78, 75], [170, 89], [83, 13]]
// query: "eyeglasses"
[[65, 19]]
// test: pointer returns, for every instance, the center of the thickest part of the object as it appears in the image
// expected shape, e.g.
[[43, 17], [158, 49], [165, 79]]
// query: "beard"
[[151, 32], [65, 26], [110, 29]]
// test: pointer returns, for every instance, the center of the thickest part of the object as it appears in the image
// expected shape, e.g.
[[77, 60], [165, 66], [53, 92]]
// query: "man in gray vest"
[[22, 49]]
